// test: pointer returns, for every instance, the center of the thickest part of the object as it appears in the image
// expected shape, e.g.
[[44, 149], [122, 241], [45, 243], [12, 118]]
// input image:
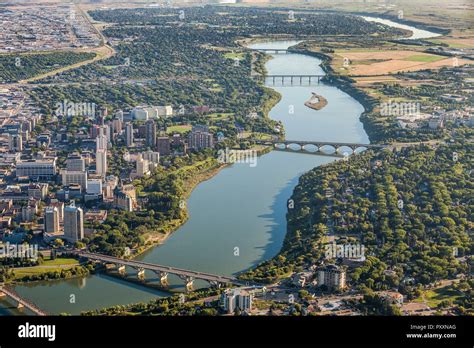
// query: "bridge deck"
[[158, 268], [318, 143]]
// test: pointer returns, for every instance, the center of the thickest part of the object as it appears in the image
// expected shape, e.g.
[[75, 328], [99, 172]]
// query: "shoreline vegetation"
[[316, 102]]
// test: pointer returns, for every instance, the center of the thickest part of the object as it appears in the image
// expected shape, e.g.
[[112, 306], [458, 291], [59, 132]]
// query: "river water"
[[237, 219]]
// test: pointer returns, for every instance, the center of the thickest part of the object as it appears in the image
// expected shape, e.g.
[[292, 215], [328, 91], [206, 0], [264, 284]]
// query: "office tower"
[[51, 220], [129, 134], [150, 133], [73, 223]]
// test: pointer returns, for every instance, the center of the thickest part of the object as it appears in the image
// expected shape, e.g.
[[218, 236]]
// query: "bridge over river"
[[187, 276], [21, 302]]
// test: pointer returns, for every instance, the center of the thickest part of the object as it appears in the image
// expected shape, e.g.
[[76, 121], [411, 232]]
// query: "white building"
[[164, 111], [139, 113], [142, 167], [232, 299], [101, 162]]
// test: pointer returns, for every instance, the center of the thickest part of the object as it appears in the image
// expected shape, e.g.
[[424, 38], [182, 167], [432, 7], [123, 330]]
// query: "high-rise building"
[[51, 220], [101, 142], [101, 162], [15, 143], [73, 223], [200, 138], [231, 299], [151, 133], [129, 134], [163, 146], [332, 276]]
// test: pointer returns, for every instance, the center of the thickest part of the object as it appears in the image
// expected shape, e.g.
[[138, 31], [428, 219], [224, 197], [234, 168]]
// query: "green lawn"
[[220, 115], [232, 55], [179, 129], [424, 58], [60, 261], [47, 266]]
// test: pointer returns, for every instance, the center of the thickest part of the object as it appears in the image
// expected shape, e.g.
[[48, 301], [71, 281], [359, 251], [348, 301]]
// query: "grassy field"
[[179, 129], [424, 58], [436, 296], [232, 55], [47, 266]]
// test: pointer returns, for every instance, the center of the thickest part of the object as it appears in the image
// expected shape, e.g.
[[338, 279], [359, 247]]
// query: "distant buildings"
[[151, 112], [73, 223], [332, 276], [231, 299]]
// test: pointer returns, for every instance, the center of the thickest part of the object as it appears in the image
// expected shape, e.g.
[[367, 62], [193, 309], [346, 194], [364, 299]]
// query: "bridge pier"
[[163, 278], [188, 281], [20, 305], [121, 269], [141, 273]]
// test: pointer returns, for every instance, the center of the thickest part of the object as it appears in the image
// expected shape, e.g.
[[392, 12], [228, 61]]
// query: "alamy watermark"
[[238, 156], [69, 108], [392, 108], [348, 251], [23, 251]]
